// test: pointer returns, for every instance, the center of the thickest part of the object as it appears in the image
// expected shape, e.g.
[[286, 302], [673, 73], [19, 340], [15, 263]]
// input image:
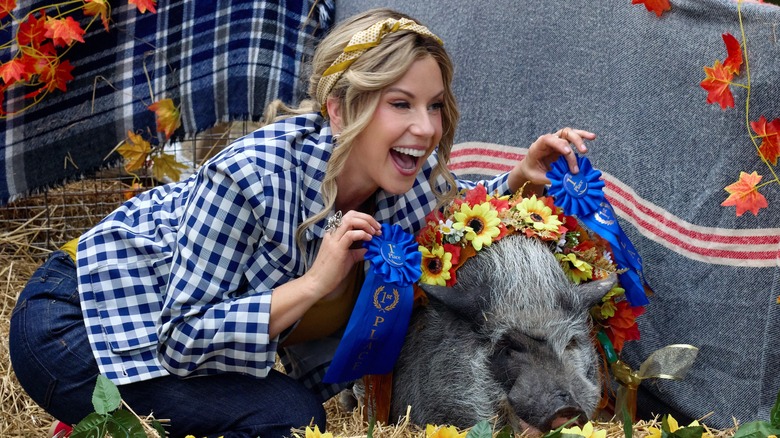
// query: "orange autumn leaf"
[[57, 75], [133, 190], [64, 31], [769, 133], [733, 61], [99, 8], [134, 150], [6, 6], [744, 195], [168, 116], [657, 6], [717, 85], [166, 165], [13, 71], [622, 325], [143, 5]]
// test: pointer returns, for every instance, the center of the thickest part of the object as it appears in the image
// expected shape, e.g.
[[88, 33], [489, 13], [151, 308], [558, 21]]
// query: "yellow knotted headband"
[[358, 45]]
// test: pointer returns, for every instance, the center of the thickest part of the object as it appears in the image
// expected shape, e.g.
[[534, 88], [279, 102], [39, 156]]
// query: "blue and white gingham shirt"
[[179, 279]]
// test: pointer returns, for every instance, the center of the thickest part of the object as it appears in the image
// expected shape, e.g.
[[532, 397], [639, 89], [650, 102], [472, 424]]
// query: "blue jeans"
[[53, 361]]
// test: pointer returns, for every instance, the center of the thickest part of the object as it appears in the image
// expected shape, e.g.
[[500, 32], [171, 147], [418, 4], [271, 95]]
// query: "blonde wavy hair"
[[359, 90]]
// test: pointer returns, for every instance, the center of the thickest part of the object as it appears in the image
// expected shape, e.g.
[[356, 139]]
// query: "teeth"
[[409, 151]]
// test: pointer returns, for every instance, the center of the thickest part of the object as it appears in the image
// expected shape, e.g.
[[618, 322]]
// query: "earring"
[[335, 138]]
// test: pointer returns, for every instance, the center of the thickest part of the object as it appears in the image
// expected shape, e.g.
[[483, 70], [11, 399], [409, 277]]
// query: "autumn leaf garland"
[[718, 80], [43, 37]]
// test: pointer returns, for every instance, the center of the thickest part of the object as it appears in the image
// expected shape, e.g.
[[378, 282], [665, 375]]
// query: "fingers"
[[354, 226], [576, 137]]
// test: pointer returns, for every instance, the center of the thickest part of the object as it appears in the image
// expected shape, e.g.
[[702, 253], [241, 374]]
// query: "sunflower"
[[538, 215], [587, 431], [480, 224], [436, 265], [432, 431], [316, 433], [577, 270]]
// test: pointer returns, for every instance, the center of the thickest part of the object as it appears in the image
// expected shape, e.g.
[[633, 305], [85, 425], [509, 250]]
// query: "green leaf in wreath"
[[92, 426], [481, 430], [158, 427], [123, 424], [774, 416], [756, 429], [105, 397]]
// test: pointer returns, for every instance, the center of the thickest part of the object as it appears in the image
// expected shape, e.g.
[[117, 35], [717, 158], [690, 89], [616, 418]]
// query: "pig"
[[510, 342]]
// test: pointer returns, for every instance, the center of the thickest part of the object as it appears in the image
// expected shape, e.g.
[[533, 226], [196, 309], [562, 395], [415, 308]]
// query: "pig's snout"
[[564, 415]]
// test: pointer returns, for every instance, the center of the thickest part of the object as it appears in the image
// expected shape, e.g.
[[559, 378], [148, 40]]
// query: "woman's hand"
[[340, 249], [545, 151]]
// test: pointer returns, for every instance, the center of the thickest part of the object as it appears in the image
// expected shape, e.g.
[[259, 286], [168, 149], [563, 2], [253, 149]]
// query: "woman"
[[184, 295]]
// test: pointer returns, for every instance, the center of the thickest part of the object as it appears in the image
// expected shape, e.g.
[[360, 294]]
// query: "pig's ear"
[[466, 305], [593, 291]]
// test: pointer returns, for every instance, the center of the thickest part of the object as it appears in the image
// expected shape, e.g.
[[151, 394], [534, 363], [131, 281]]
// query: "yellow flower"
[[480, 223], [432, 431], [535, 213], [316, 433], [576, 269], [674, 427], [586, 431], [435, 265]]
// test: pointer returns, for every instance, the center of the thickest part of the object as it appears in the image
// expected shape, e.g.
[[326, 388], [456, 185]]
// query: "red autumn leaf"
[[98, 7], [57, 75], [143, 5], [476, 196], [32, 32], [769, 133], [64, 31], [6, 6], [622, 326], [733, 61], [744, 195], [13, 71], [168, 117], [717, 85], [35, 65], [657, 6]]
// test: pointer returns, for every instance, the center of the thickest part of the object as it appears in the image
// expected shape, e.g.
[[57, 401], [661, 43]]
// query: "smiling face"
[[404, 130]]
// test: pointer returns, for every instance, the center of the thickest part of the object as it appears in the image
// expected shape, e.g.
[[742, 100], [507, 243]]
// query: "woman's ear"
[[334, 113]]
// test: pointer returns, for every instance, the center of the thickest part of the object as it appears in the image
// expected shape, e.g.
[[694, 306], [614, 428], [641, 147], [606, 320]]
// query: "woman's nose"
[[423, 125]]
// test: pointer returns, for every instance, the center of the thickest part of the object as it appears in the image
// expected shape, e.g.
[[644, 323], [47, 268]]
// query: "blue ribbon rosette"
[[377, 327], [582, 195]]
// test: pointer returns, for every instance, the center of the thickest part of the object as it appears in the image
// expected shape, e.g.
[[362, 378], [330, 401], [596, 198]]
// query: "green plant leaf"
[[105, 397], [159, 428], [756, 429], [774, 416], [92, 426], [123, 424], [371, 424], [688, 432], [481, 430], [628, 422], [505, 432]]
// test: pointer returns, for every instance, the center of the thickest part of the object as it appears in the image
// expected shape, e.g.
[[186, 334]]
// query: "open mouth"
[[406, 158]]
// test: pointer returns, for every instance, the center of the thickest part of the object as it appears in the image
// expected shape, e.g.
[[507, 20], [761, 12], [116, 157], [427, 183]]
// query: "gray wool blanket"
[[524, 68]]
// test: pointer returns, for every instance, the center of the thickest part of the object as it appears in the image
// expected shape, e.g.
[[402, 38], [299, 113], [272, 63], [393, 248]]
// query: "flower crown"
[[477, 219]]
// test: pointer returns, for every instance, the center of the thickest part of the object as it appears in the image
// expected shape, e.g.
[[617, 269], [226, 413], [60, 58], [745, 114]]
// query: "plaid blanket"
[[219, 60], [523, 68]]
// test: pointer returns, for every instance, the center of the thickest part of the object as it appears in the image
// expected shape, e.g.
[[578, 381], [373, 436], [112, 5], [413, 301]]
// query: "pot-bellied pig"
[[510, 342]]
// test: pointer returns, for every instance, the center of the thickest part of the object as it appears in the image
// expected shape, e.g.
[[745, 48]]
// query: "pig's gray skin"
[[510, 342]]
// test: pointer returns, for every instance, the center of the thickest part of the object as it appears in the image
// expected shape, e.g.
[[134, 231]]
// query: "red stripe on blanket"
[[687, 246], [757, 239]]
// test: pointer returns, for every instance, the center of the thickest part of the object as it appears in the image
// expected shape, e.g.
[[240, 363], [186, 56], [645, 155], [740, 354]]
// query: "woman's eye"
[[436, 106], [400, 105]]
